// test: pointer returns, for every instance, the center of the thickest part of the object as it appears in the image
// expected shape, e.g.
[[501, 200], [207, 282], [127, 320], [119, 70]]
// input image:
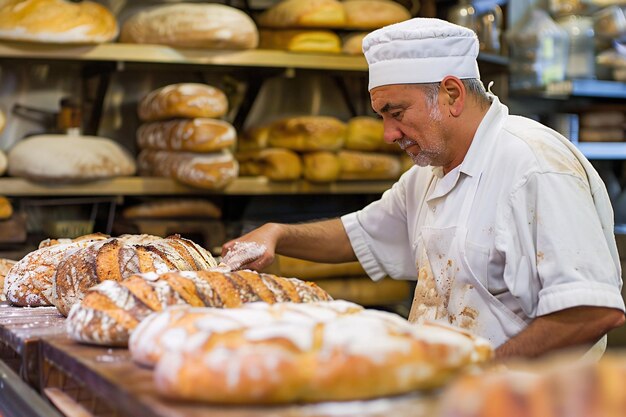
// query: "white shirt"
[[540, 237]]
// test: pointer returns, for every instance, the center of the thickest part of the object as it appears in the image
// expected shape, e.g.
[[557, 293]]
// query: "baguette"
[[111, 310], [281, 353], [195, 135], [116, 259], [183, 100]]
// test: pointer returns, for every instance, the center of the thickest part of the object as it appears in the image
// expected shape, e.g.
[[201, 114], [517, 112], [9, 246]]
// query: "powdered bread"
[[321, 166], [301, 40], [115, 259], [286, 352], [194, 135], [209, 171], [308, 133], [69, 158], [304, 14], [213, 26], [56, 21], [173, 209], [373, 14], [273, 163], [184, 100], [111, 310]]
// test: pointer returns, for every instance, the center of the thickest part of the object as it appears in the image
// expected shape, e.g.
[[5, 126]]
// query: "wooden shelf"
[[137, 186]]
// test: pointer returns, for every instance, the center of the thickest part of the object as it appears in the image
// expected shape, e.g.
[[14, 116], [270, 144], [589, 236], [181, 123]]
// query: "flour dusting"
[[243, 253]]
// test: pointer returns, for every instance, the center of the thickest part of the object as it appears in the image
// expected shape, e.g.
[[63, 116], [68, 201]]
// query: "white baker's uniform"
[[522, 228]]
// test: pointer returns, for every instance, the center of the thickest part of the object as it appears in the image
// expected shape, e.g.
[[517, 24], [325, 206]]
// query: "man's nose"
[[391, 133]]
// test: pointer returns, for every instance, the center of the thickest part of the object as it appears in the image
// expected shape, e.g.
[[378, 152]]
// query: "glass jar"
[[581, 56]]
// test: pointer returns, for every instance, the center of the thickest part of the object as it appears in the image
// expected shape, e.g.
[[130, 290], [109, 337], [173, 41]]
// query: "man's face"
[[412, 122]]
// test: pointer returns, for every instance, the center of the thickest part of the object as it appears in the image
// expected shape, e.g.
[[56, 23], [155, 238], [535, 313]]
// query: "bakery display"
[[329, 351], [304, 13], [273, 163], [189, 25], [373, 14], [185, 208], [56, 21], [209, 171], [307, 133], [111, 310], [183, 100], [63, 158], [188, 135], [301, 40]]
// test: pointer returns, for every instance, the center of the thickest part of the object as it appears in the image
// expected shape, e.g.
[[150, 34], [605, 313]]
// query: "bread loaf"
[[92, 236], [65, 158], [373, 14], [368, 166], [184, 100], [111, 310], [304, 14], [301, 40], [353, 43], [5, 267], [308, 133], [115, 259], [209, 171], [195, 135], [188, 25], [56, 21], [364, 134], [286, 352], [173, 209], [253, 139], [274, 163], [6, 209], [321, 166]]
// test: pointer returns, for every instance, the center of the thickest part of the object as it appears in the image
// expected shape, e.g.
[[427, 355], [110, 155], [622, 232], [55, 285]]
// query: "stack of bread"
[[603, 126], [182, 137], [319, 149], [264, 353], [303, 25]]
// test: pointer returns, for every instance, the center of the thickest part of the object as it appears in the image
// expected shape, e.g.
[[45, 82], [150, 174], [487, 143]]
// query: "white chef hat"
[[420, 50]]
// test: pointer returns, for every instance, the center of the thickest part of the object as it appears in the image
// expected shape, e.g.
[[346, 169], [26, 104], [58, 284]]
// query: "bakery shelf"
[[579, 88], [603, 150], [128, 186]]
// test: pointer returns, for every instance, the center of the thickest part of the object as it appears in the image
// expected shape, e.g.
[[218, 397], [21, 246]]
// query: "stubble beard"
[[426, 157]]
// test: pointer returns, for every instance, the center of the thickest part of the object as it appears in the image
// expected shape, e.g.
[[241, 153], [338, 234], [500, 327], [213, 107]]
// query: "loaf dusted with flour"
[[116, 259], [183, 100], [111, 310], [193, 135], [287, 352], [189, 25]]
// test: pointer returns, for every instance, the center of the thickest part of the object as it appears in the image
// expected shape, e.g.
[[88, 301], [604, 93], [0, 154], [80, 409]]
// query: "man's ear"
[[454, 95]]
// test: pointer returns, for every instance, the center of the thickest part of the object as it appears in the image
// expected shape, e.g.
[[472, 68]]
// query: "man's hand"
[[265, 237], [570, 328]]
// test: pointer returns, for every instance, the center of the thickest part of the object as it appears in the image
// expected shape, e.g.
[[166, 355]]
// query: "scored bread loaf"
[[184, 100], [56, 21], [210, 171], [174, 209], [304, 13], [373, 14], [5, 267], [69, 158], [116, 259], [195, 135], [301, 40], [280, 353], [187, 25], [321, 166], [307, 133], [111, 310], [368, 166], [274, 163]]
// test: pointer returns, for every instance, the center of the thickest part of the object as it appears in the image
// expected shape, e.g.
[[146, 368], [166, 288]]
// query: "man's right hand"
[[266, 236]]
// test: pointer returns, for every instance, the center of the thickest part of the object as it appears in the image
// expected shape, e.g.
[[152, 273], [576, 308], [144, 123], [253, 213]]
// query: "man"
[[506, 226]]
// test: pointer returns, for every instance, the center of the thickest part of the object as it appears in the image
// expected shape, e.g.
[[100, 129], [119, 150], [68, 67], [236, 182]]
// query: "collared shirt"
[[540, 233]]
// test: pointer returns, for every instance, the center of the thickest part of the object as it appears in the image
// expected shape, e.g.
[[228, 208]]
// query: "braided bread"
[[116, 259], [111, 310], [287, 352]]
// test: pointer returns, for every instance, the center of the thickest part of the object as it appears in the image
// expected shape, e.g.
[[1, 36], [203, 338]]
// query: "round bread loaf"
[[321, 166], [69, 158], [184, 100], [195, 135], [190, 25], [56, 21]]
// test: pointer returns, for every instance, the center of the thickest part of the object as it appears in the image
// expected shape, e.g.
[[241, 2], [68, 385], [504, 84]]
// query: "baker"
[[507, 228]]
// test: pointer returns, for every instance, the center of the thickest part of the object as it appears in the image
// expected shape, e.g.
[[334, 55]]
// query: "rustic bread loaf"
[[116, 259], [368, 166], [304, 13], [209, 171], [56, 21], [321, 166], [301, 40], [273, 163], [184, 100], [173, 209], [69, 158], [6, 209], [307, 133], [373, 14], [195, 135], [364, 134], [5, 267], [187, 25], [287, 352], [111, 310], [353, 43]]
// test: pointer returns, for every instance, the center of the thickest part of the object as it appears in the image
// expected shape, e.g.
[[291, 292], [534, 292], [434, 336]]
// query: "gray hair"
[[474, 87]]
